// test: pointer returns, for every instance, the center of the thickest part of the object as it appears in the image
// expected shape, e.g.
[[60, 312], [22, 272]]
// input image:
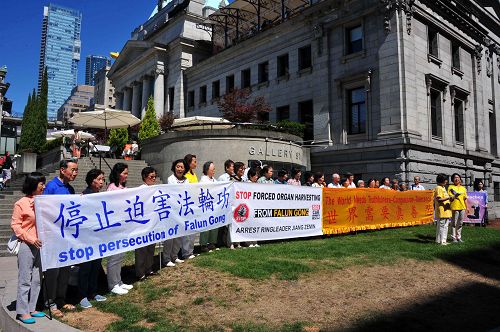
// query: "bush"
[[118, 137], [166, 121], [291, 127], [149, 125], [52, 144]]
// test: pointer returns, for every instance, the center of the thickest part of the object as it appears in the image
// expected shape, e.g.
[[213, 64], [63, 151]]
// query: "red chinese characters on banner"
[[347, 210]]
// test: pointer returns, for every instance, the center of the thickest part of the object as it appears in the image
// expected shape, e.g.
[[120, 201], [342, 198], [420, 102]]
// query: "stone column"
[[159, 93], [127, 99], [146, 92], [119, 100], [136, 99]]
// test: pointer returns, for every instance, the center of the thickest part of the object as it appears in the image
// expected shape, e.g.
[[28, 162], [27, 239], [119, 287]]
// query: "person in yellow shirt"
[[188, 240], [443, 209], [458, 206]]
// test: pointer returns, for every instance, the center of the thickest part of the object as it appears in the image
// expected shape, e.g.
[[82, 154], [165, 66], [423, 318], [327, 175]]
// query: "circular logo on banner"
[[241, 213]]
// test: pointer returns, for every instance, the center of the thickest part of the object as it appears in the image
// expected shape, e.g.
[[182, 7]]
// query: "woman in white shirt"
[[208, 239], [171, 247]]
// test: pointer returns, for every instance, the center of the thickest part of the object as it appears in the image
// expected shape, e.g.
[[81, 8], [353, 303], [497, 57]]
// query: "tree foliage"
[[237, 106], [118, 137], [149, 125], [34, 126], [166, 121]]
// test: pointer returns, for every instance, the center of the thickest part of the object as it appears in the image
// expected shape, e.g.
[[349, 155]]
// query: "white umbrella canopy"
[[201, 122], [70, 132], [105, 119]]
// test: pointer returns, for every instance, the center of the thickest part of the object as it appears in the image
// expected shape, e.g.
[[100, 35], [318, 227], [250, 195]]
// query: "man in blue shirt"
[[57, 279]]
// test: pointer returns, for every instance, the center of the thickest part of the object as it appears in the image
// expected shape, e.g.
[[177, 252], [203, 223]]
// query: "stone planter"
[[27, 163]]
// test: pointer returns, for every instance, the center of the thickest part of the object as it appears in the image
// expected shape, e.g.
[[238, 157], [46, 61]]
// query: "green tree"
[[39, 115], [25, 143], [118, 137], [149, 125]]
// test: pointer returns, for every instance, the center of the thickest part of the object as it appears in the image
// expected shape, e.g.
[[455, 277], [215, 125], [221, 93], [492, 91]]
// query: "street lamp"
[[3, 90]]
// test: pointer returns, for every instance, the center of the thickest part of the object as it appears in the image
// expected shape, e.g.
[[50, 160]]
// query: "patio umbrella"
[[105, 119], [70, 132], [201, 122]]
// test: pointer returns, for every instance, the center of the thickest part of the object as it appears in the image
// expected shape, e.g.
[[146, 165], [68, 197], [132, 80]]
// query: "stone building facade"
[[385, 87], [79, 100]]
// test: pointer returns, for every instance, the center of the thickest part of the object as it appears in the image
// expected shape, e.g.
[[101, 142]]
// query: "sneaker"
[[455, 240], [118, 290], [216, 249], [211, 246], [231, 247], [238, 246], [460, 240], [444, 243], [191, 257], [170, 264], [100, 298], [178, 261], [127, 287], [251, 246], [85, 303], [142, 278], [256, 245]]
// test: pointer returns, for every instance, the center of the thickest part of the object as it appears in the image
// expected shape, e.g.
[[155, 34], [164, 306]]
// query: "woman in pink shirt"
[[28, 259], [118, 181]]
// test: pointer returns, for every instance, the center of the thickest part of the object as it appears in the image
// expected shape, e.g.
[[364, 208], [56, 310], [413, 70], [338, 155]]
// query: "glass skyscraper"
[[94, 63], [60, 53]]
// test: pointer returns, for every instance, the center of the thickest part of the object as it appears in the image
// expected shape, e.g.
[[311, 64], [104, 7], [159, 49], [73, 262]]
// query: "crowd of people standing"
[[450, 206]]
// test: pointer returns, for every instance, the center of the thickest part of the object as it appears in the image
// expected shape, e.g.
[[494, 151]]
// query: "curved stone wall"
[[277, 149]]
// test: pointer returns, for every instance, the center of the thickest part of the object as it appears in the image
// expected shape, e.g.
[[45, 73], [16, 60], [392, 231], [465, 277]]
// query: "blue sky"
[[106, 26]]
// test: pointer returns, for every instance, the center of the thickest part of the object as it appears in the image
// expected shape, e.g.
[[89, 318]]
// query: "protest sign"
[[476, 207], [348, 210], [268, 212], [75, 228]]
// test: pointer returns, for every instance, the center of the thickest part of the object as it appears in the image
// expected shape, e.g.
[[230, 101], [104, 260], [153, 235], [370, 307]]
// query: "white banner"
[[268, 212], [75, 228]]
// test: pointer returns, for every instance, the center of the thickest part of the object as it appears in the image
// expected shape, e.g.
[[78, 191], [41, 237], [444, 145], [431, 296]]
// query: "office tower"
[[94, 63], [60, 53]]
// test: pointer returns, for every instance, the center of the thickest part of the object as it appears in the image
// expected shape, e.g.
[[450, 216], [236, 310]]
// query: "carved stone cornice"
[[478, 54], [390, 6]]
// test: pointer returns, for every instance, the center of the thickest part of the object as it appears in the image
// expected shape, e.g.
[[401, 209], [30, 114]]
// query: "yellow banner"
[[348, 210]]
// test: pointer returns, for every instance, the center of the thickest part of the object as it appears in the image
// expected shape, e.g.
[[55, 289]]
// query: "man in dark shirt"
[[57, 279], [7, 169]]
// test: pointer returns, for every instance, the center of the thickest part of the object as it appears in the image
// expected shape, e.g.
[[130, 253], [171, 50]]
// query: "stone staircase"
[[11, 194]]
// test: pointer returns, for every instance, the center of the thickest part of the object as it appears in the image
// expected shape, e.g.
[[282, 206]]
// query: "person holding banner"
[[372, 183], [229, 171], [386, 183], [253, 175], [336, 181], [309, 179], [57, 279], [171, 247], [28, 259], [188, 240], [295, 179], [458, 206], [266, 175], [118, 181], [88, 272], [144, 256], [208, 239], [319, 180], [416, 184], [479, 187], [443, 209]]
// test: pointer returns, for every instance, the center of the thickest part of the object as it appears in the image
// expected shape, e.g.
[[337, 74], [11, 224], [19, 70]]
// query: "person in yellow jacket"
[[443, 209], [458, 206], [188, 240]]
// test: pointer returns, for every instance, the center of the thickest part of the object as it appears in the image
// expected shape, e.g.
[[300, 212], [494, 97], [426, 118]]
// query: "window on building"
[[354, 37], [305, 57], [458, 107], [493, 133], [306, 117], [203, 94], [436, 114], [190, 99], [357, 111], [282, 68], [171, 94], [283, 113], [496, 191], [229, 83], [246, 78], [263, 117], [264, 72], [455, 56], [215, 89], [432, 39]]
